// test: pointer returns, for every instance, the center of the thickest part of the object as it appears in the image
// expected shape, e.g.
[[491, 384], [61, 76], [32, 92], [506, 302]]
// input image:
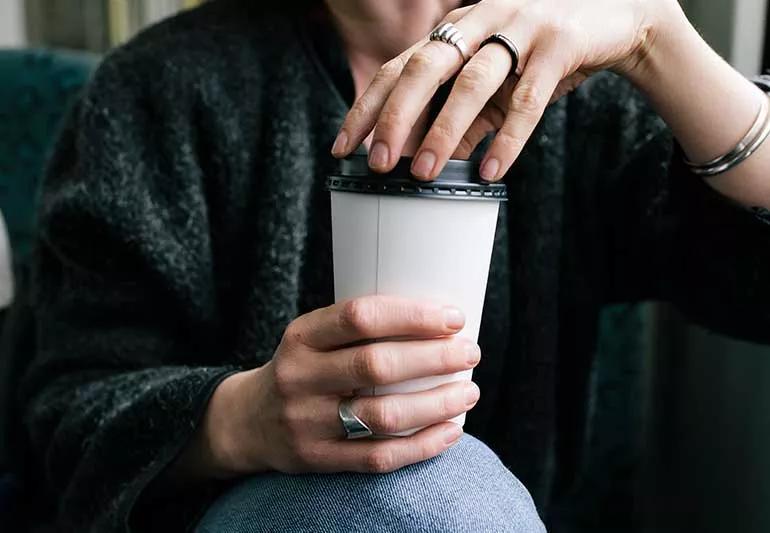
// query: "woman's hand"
[[283, 415], [561, 43]]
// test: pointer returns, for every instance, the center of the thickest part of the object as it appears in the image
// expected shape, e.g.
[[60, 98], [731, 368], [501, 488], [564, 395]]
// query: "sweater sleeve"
[[127, 345], [674, 238]]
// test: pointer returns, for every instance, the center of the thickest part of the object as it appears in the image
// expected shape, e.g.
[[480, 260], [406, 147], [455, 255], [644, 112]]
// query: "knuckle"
[[360, 108], [368, 365], [536, 15], [553, 27], [474, 75], [390, 69], [379, 461], [418, 64], [569, 32], [443, 130], [383, 366], [390, 118], [559, 30], [527, 97], [293, 334], [384, 416], [420, 317], [510, 144], [358, 315], [284, 378]]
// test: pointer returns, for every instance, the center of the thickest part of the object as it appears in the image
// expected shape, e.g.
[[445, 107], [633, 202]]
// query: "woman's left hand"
[[561, 43]]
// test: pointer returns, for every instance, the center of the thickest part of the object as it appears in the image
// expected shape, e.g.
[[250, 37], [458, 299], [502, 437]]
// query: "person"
[[189, 362]]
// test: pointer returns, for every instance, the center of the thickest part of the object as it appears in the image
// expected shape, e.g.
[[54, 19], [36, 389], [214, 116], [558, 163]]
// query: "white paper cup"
[[394, 235]]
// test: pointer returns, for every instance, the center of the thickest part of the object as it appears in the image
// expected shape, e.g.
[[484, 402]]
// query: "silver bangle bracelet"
[[750, 143], [739, 158]]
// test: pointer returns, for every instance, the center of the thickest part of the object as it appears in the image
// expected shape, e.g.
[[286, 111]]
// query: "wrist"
[[217, 449], [665, 40], [230, 443]]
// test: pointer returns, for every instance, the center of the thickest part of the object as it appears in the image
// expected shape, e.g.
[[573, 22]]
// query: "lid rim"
[[401, 187], [459, 179]]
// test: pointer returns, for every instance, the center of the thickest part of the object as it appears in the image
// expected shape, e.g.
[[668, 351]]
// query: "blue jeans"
[[465, 489]]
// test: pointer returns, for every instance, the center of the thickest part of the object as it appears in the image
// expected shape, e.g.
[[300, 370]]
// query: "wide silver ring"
[[451, 34], [355, 428]]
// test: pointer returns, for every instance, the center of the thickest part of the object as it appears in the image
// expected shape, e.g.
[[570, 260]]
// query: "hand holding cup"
[[283, 416]]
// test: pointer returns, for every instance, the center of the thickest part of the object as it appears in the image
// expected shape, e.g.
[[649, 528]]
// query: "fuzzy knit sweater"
[[184, 224]]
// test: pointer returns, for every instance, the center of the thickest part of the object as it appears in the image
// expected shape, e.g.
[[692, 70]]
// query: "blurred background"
[[679, 419], [93, 25]]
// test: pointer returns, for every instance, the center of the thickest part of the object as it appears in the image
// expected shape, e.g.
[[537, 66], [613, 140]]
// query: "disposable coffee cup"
[[398, 236]]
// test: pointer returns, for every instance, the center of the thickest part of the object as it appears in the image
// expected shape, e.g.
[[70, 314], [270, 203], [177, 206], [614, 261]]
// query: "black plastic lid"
[[459, 180]]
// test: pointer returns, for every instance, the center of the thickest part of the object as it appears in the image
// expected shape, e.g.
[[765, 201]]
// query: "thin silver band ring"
[[355, 428], [451, 34]]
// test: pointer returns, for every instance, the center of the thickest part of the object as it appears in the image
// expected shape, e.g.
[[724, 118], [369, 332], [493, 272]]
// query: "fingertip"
[[423, 165], [379, 157], [340, 146], [452, 433], [490, 168], [472, 352], [472, 394], [453, 318]]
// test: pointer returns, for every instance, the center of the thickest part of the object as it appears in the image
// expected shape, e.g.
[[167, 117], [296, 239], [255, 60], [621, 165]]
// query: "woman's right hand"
[[283, 415]]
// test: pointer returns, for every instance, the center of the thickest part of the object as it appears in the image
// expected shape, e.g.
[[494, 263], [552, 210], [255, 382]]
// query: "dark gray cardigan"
[[184, 224]]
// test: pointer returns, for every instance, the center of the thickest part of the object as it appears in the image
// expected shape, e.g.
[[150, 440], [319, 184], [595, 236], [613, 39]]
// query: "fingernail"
[[472, 394], [473, 353], [379, 155], [490, 168], [453, 318], [423, 165], [452, 434], [340, 143]]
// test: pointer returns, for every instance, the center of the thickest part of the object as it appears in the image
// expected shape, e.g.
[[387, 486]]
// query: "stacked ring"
[[451, 34]]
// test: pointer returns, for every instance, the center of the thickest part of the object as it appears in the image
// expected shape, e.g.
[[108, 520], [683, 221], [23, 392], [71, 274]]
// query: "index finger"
[[374, 317], [427, 69], [362, 117]]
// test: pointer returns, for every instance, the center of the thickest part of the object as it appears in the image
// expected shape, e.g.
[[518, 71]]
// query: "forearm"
[[707, 104]]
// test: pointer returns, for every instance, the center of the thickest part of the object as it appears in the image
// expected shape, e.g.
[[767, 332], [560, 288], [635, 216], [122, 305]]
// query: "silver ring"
[[451, 34], [355, 428]]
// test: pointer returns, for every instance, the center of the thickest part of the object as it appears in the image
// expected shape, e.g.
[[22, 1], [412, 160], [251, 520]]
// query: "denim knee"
[[465, 489]]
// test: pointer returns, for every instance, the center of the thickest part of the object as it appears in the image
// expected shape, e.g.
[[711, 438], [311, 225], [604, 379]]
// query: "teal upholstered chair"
[[36, 89]]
